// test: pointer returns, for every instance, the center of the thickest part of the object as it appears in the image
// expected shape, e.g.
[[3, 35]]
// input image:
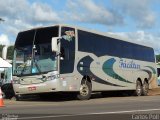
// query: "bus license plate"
[[31, 88]]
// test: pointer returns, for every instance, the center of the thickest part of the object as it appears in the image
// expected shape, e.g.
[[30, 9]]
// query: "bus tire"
[[138, 91], [145, 88], [85, 90]]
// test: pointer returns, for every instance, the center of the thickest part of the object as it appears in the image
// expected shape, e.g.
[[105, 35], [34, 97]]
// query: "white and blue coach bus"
[[62, 58]]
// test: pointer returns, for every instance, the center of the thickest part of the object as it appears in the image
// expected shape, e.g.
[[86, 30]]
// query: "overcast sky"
[[137, 20]]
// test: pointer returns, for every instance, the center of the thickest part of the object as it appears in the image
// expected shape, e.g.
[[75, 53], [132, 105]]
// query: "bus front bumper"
[[49, 86]]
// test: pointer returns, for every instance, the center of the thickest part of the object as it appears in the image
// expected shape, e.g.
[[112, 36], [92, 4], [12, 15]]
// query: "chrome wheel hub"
[[84, 90], [139, 90]]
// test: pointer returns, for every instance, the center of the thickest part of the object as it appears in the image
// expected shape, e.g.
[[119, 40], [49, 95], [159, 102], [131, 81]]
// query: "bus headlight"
[[16, 82]]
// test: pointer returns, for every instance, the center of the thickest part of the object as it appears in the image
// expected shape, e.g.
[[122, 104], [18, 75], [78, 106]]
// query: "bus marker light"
[[62, 78]]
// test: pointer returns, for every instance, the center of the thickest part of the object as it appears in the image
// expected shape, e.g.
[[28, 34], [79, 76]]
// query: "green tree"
[[10, 52], [1, 48]]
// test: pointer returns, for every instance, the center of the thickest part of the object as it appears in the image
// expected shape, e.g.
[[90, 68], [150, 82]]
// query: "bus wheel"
[[145, 88], [138, 91], [85, 90]]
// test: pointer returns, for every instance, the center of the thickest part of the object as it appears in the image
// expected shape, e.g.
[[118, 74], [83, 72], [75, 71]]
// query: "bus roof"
[[93, 31]]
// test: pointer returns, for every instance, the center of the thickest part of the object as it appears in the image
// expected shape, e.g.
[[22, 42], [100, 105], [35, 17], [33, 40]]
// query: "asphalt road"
[[112, 108]]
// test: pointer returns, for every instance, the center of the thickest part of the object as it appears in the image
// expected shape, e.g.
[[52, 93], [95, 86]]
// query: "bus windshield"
[[26, 63], [33, 54]]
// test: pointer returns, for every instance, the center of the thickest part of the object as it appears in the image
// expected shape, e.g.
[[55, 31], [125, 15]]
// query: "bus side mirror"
[[55, 41]]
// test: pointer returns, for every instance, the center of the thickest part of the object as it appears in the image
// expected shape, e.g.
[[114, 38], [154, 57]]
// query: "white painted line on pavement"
[[118, 112], [98, 113]]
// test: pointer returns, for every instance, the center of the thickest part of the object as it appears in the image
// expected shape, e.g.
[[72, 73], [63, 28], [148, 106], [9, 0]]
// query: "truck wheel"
[[85, 90], [145, 88], [138, 91]]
